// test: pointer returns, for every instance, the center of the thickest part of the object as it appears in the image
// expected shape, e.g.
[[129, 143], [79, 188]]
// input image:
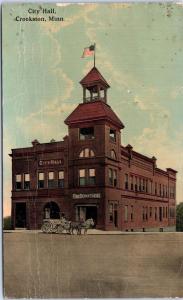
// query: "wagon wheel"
[[46, 227], [60, 228]]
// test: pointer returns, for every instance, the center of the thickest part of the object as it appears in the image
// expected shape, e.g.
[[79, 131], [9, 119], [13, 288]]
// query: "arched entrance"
[[51, 211]]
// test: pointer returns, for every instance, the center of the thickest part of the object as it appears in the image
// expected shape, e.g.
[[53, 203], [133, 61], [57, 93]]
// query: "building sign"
[[51, 162], [82, 196]]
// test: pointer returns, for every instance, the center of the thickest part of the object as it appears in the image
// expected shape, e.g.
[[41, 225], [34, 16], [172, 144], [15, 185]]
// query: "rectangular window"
[[136, 186], [111, 212], [86, 133], [126, 181], [112, 135], [114, 178], [163, 212], [155, 213], [126, 213], [50, 179], [155, 188], [166, 212], [131, 181], [26, 181], [172, 212], [40, 180], [143, 187], [61, 179], [146, 185], [82, 177], [131, 213], [91, 177], [150, 212], [18, 184], [110, 177]]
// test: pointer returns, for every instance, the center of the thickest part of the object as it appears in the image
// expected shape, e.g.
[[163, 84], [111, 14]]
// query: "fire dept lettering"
[[81, 196]]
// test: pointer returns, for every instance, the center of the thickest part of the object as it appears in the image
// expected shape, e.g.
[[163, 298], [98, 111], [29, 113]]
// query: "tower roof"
[[93, 111], [94, 77]]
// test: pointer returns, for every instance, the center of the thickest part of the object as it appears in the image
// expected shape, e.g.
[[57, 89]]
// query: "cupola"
[[94, 86]]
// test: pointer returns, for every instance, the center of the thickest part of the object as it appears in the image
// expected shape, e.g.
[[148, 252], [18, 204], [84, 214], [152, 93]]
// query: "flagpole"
[[94, 53]]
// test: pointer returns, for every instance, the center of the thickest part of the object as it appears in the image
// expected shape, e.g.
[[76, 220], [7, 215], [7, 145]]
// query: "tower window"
[[87, 177], [18, 185], [86, 133], [41, 180], [112, 135], [26, 181], [61, 179], [113, 154], [87, 152], [91, 176]]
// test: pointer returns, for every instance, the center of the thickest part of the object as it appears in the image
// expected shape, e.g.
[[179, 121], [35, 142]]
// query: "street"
[[38, 265]]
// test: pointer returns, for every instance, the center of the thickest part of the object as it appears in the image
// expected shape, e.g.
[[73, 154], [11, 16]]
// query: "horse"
[[78, 226]]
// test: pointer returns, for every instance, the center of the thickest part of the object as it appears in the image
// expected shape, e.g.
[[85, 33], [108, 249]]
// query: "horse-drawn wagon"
[[64, 226]]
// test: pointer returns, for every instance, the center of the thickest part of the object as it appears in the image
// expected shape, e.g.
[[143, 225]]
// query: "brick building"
[[90, 174]]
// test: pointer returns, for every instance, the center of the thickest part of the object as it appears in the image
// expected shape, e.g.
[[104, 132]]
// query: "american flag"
[[88, 51]]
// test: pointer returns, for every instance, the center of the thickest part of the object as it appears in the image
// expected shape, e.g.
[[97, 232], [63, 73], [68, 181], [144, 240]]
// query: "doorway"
[[86, 212], [51, 211], [20, 215]]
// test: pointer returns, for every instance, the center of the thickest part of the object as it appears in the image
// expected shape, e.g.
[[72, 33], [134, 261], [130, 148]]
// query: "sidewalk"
[[92, 232]]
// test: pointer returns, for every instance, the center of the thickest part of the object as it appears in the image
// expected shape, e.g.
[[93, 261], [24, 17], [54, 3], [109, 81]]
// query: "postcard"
[[92, 150]]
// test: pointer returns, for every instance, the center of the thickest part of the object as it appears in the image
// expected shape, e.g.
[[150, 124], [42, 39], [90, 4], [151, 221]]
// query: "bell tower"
[[94, 87]]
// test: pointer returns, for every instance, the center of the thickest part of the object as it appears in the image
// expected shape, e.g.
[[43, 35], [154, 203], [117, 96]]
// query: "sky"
[[139, 51]]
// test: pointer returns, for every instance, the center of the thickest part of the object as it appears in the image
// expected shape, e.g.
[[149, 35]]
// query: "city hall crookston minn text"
[[90, 174]]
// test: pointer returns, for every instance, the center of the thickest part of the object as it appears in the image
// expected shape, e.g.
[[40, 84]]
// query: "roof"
[[93, 111], [93, 77]]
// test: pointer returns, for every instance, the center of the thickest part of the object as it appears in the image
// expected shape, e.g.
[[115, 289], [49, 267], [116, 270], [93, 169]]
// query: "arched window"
[[87, 152], [113, 154]]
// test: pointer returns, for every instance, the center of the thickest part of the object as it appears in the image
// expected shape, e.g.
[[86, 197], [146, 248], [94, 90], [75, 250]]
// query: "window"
[[87, 177], [143, 187], [41, 180], [113, 154], [155, 188], [111, 212], [155, 213], [126, 181], [150, 212], [91, 177], [26, 181], [131, 180], [61, 179], [82, 177], [136, 186], [87, 152], [18, 184], [112, 177], [163, 212], [112, 135], [131, 213], [172, 212], [51, 179], [126, 213], [166, 212], [146, 185], [86, 133]]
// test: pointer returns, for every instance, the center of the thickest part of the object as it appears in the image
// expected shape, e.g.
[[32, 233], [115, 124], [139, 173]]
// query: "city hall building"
[[91, 174]]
